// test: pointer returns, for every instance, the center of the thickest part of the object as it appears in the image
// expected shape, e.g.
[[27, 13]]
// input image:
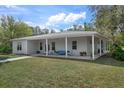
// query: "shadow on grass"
[[104, 60], [1, 64], [3, 58]]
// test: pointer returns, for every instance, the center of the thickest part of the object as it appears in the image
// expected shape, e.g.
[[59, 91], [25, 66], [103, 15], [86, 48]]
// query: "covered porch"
[[88, 47]]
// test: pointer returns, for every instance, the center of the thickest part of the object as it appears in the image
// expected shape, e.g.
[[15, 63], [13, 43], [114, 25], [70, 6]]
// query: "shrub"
[[5, 49], [117, 52]]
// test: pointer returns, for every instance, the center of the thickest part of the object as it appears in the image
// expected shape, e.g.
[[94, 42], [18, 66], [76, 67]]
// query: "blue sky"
[[52, 16]]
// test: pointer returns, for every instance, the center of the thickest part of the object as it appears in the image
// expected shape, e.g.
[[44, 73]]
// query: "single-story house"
[[69, 44]]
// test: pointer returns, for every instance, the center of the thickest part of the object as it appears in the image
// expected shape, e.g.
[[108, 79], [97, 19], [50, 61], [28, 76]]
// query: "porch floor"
[[70, 57]]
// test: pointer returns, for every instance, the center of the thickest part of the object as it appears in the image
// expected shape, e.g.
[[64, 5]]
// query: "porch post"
[[66, 46], [100, 47], [93, 47], [109, 46], [105, 46], [46, 47]]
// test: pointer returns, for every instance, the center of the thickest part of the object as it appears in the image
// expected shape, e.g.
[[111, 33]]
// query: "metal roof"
[[61, 35]]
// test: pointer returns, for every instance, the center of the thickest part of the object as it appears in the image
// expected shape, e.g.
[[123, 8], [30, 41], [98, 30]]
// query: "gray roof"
[[61, 35]]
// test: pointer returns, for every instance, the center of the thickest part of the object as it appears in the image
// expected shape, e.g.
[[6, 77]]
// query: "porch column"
[[105, 46], [46, 47], [100, 48], [93, 47], [109, 46], [66, 47]]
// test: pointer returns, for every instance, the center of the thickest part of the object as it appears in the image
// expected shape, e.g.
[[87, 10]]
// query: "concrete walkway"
[[14, 59]]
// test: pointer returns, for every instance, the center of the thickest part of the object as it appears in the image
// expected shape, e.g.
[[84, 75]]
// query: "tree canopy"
[[12, 28], [109, 21]]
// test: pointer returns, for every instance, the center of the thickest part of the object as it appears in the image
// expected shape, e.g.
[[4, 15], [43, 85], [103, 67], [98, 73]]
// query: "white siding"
[[59, 43], [24, 47], [96, 46], [81, 45], [89, 45], [43, 45], [32, 47]]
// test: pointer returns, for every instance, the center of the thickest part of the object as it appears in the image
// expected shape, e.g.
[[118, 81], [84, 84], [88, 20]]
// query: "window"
[[53, 45], [41, 47], [19, 46], [74, 44]]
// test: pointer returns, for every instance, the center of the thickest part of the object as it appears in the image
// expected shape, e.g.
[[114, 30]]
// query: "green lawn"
[[52, 72], [5, 56]]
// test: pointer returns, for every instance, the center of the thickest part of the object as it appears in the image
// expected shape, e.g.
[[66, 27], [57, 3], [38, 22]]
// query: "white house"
[[70, 44]]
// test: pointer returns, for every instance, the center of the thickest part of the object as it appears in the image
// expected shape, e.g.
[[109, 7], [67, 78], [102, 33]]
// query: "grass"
[[52, 72], [5, 56]]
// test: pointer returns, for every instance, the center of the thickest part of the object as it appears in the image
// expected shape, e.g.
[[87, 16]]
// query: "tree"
[[1, 36], [11, 28], [53, 31], [61, 30], [22, 30], [109, 21], [88, 27], [38, 31], [80, 28], [45, 30], [8, 24], [74, 27]]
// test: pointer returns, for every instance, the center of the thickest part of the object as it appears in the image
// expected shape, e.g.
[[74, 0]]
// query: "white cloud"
[[13, 10], [30, 23], [10, 6], [56, 18], [65, 18], [34, 24], [74, 17], [40, 25], [16, 9]]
